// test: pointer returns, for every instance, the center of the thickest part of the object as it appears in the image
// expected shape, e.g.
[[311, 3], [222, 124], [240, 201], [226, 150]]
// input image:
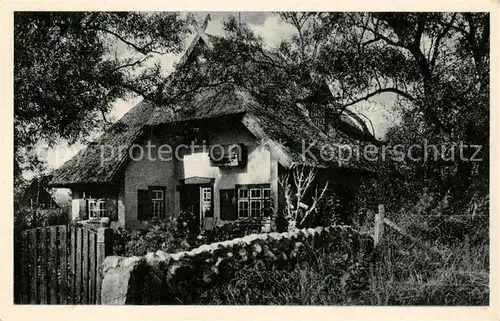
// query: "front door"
[[190, 198], [190, 202], [198, 199], [205, 203]]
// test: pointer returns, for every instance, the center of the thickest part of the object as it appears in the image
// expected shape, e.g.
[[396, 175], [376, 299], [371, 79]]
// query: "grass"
[[429, 272], [325, 281], [456, 274]]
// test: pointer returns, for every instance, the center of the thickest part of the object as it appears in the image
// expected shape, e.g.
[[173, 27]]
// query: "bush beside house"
[[179, 233]]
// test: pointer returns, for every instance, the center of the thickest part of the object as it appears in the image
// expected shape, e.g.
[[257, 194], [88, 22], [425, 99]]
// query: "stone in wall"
[[164, 278]]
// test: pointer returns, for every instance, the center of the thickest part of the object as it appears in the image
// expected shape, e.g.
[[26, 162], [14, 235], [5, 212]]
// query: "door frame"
[[201, 213], [199, 183]]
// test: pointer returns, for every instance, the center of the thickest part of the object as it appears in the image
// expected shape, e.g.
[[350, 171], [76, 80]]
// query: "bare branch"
[[316, 199], [132, 64], [378, 92], [142, 49]]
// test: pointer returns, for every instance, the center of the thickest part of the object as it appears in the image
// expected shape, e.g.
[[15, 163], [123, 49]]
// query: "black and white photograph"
[[263, 158]]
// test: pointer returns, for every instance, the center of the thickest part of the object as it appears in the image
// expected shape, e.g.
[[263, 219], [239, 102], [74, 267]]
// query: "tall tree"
[[437, 64], [69, 67]]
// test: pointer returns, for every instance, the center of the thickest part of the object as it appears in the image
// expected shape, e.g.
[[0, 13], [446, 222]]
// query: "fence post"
[[379, 224], [103, 249]]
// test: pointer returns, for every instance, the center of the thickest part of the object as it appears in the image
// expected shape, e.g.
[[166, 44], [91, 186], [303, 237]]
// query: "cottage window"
[[196, 135], [97, 208], [243, 193], [253, 200], [158, 201], [255, 193], [207, 194], [151, 203], [255, 208], [243, 208]]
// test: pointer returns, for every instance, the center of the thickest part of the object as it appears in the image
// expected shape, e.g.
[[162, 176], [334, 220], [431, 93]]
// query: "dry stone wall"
[[163, 278]]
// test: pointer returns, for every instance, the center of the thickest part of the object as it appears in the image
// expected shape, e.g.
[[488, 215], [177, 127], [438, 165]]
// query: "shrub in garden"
[[186, 223], [55, 217], [281, 221], [120, 239], [233, 230], [178, 233], [26, 218], [22, 220], [163, 234], [329, 212]]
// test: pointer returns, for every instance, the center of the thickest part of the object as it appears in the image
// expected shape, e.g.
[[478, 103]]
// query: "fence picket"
[[53, 271], [60, 265], [25, 272], [102, 238], [72, 289], [85, 268], [43, 266], [379, 224], [34, 266], [17, 269], [92, 271], [78, 263], [63, 265]]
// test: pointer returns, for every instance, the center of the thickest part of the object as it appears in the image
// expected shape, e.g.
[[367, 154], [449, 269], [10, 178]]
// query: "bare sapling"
[[296, 210]]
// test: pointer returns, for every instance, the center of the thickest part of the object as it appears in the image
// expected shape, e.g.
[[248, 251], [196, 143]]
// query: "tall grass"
[[453, 274], [433, 271], [327, 280]]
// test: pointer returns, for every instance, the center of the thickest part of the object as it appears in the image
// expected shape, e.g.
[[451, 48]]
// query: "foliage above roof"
[[269, 115]]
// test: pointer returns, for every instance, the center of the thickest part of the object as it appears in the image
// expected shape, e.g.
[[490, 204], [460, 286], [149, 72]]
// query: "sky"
[[273, 31]]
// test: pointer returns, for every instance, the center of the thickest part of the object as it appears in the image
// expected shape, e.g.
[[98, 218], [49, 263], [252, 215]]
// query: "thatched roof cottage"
[[223, 160]]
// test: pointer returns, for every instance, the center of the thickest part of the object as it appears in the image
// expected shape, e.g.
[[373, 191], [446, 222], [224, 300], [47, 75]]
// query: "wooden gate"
[[60, 265]]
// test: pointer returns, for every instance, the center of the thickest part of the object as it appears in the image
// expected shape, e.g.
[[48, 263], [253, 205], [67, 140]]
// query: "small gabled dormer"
[[319, 115]]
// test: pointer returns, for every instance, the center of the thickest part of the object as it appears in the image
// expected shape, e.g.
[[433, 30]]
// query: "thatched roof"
[[290, 134], [284, 128], [89, 167], [206, 104]]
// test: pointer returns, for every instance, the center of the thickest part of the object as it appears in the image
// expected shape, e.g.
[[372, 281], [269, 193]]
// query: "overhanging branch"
[[378, 92], [141, 49]]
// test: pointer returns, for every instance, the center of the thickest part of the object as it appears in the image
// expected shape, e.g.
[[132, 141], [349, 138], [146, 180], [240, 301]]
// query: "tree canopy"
[[436, 63], [70, 67], [66, 75]]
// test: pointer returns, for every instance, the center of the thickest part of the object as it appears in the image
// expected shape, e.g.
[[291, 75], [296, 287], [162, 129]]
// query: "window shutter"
[[84, 209], [111, 209], [228, 205], [144, 208]]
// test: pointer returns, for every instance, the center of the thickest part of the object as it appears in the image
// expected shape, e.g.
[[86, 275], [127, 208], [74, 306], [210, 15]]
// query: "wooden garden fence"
[[379, 230], [381, 221], [60, 265]]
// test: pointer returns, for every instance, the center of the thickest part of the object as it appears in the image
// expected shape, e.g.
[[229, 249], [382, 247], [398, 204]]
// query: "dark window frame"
[[318, 115], [249, 200], [150, 206], [101, 212]]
